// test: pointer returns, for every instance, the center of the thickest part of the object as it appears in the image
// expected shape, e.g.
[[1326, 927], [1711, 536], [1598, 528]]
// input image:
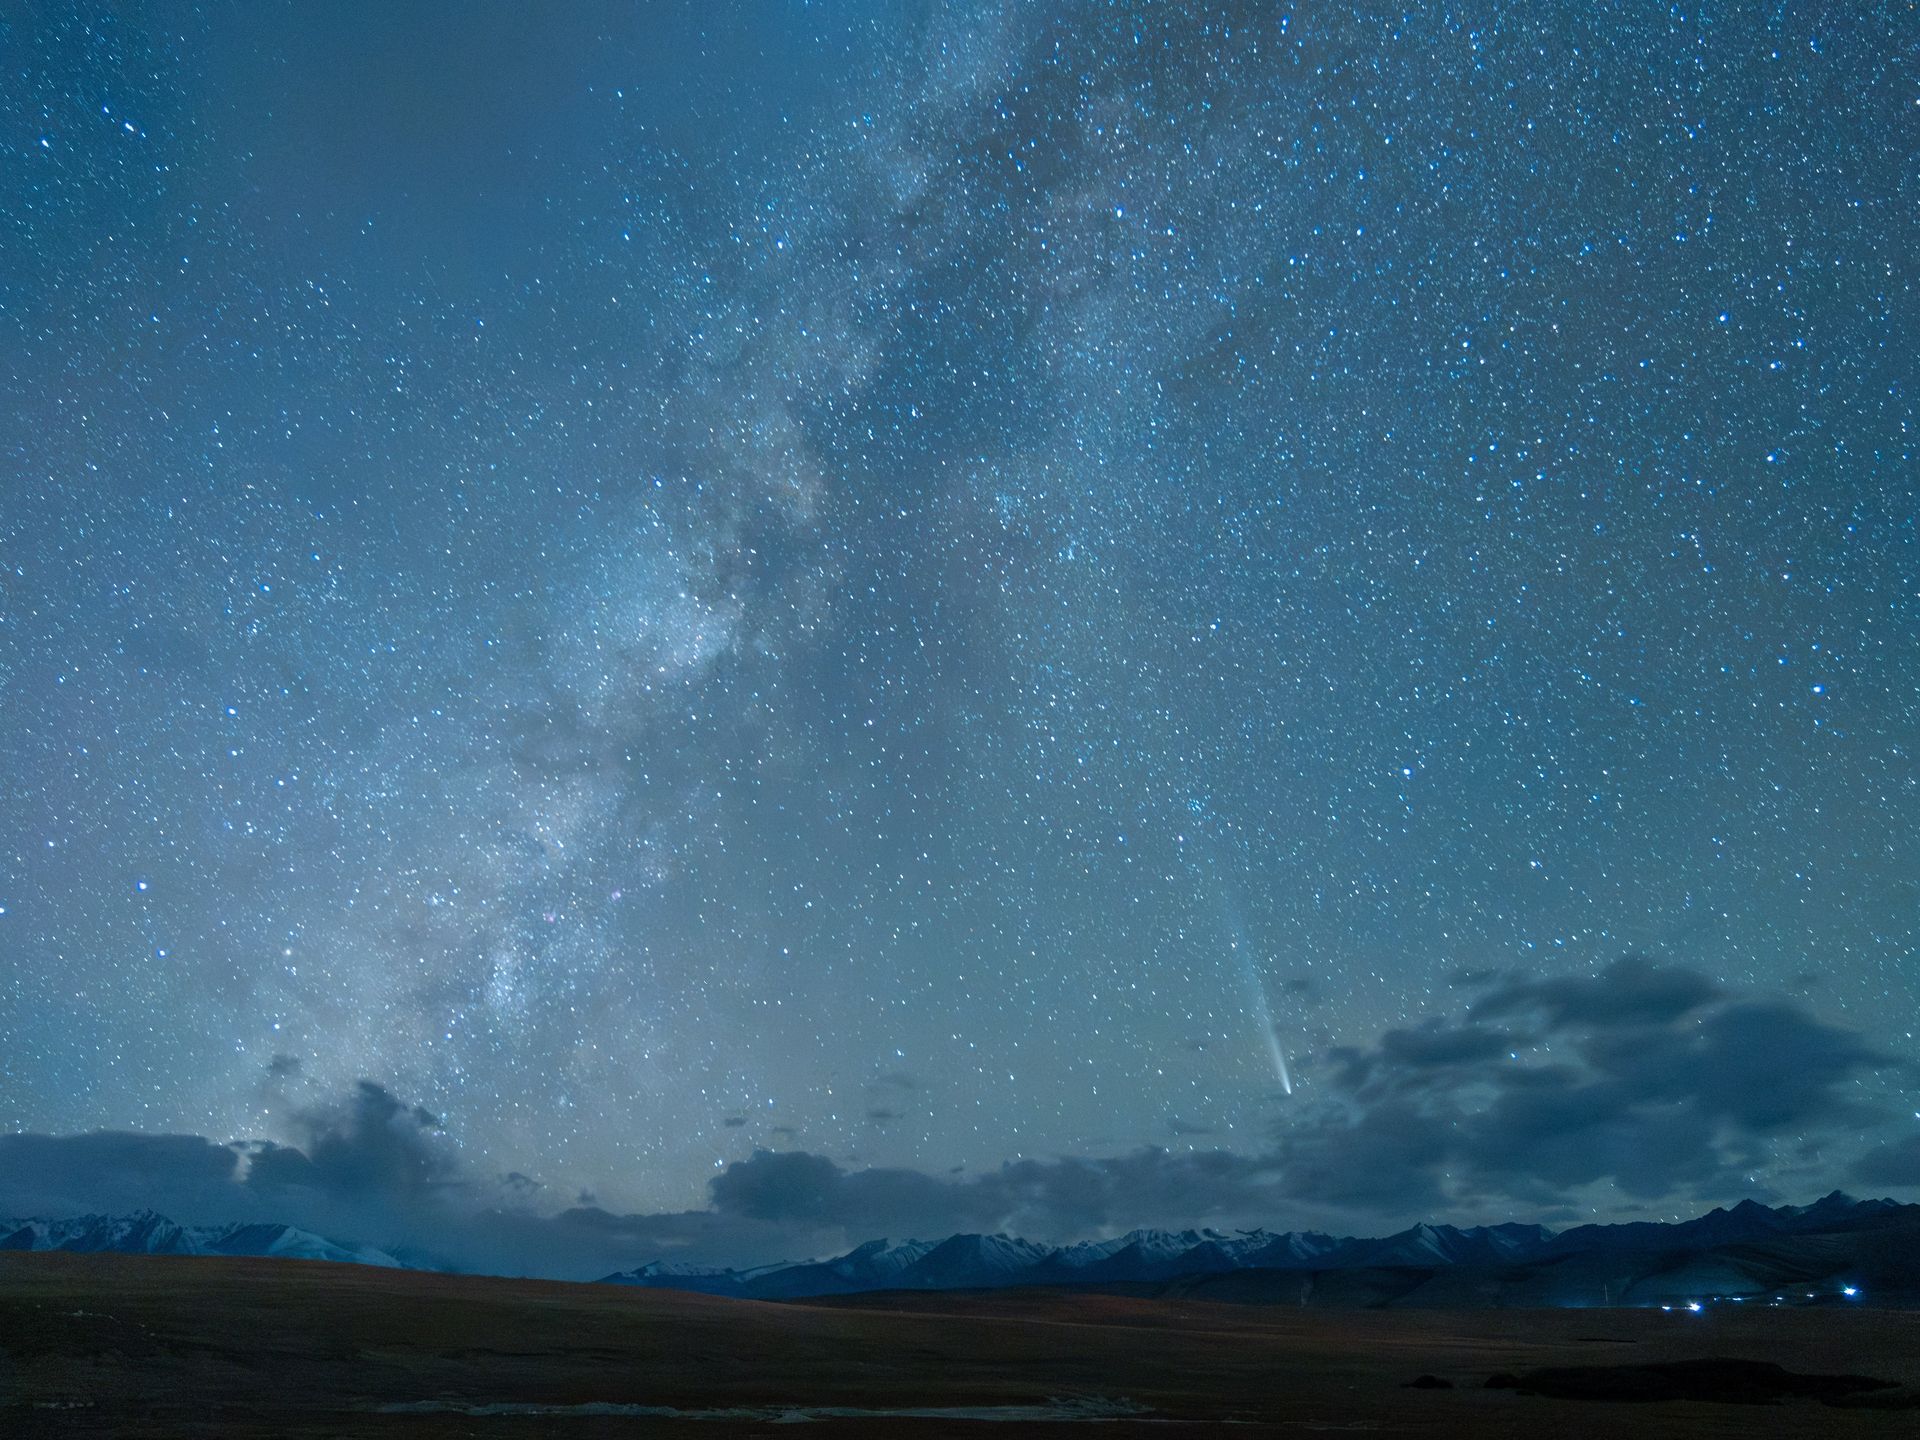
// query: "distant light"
[[1694, 1306], [1850, 1291]]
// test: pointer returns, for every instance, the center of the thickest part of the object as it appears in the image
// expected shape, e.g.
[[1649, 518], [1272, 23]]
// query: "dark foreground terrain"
[[145, 1345]]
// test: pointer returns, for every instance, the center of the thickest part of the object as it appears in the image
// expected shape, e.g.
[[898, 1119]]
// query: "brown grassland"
[[156, 1346]]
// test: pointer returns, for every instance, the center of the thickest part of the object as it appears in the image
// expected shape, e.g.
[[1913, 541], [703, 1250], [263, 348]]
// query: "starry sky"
[[951, 586]]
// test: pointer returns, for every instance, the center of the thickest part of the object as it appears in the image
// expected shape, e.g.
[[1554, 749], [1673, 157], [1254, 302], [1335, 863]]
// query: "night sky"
[[965, 592]]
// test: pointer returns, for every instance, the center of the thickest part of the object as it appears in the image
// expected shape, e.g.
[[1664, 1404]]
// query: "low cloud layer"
[[1896, 1165], [1641, 1085], [1647, 1081]]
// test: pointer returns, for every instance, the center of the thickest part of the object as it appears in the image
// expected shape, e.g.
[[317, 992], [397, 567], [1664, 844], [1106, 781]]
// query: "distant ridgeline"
[[146, 1233], [1838, 1251]]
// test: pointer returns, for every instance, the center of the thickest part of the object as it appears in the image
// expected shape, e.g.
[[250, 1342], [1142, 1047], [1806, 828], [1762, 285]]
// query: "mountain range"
[[146, 1233], [1838, 1249]]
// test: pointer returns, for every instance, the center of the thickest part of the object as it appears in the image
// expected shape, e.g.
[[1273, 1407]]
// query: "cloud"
[[369, 1143], [795, 1187], [365, 1166], [1631, 991], [109, 1171], [1074, 1196], [1044, 1199], [1892, 1164], [1650, 1080], [1541, 1096], [376, 1173], [1406, 1054], [370, 1179]]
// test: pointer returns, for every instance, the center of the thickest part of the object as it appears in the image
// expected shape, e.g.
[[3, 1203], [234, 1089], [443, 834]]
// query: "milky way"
[[664, 584]]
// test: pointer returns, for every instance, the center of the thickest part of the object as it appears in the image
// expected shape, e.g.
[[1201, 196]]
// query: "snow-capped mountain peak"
[[146, 1232]]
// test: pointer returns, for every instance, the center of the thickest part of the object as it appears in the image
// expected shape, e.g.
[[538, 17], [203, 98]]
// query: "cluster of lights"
[[1696, 1307]]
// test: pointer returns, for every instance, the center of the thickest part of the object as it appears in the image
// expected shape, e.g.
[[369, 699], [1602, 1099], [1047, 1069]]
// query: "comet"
[[1242, 948]]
